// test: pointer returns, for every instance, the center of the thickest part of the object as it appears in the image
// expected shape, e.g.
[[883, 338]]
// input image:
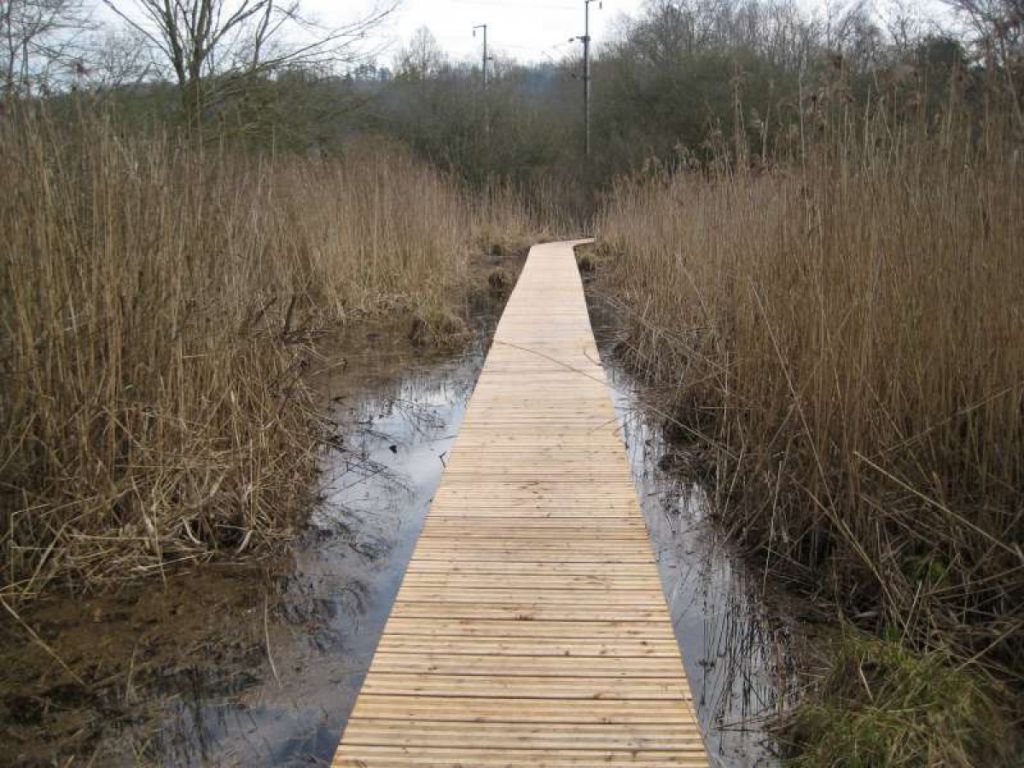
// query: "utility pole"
[[486, 58], [483, 70], [585, 39]]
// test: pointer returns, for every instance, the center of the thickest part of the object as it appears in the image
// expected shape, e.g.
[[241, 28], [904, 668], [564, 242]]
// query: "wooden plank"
[[538, 597], [531, 629], [541, 585], [593, 629], [424, 565], [524, 612], [420, 757], [623, 648], [447, 527], [529, 666], [524, 687], [442, 733], [549, 711]]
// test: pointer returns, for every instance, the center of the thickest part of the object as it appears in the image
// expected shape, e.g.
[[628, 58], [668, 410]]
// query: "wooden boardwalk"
[[531, 628]]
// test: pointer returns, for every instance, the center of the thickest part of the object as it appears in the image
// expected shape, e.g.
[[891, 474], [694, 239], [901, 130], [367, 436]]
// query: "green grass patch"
[[879, 703]]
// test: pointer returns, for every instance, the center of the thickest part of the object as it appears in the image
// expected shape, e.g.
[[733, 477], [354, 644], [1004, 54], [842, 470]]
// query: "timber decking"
[[531, 628]]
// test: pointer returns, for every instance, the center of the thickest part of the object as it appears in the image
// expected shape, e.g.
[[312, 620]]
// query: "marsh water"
[[284, 650]]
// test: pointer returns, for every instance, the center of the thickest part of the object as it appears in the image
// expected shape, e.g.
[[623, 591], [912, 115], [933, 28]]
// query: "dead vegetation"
[[159, 302], [841, 336]]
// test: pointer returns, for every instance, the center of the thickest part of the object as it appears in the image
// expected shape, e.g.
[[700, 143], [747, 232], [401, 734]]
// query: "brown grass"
[[843, 343], [157, 305]]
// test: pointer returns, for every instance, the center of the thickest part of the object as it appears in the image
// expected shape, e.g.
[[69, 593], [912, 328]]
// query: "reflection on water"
[[335, 596], [735, 652]]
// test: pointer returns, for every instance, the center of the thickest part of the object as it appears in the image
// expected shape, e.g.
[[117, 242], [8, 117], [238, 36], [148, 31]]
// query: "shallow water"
[[737, 653]]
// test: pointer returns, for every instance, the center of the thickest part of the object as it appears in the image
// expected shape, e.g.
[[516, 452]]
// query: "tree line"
[[683, 82]]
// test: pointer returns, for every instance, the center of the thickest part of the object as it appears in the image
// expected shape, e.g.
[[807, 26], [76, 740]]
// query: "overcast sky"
[[528, 30]]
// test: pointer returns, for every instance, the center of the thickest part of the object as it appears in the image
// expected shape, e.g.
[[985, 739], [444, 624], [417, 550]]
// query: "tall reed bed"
[[842, 340], [157, 301]]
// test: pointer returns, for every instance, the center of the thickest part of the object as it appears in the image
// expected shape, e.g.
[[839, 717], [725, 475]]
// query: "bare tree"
[[999, 30], [210, 45], [37, 39], [111, 59], [851, 30], [422, 58]]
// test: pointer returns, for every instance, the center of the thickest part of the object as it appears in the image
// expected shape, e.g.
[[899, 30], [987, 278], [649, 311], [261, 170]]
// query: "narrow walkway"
[[531, 628]]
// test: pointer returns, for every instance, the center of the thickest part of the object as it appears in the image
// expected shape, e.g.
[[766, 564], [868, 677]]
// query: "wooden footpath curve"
[[531, 628]]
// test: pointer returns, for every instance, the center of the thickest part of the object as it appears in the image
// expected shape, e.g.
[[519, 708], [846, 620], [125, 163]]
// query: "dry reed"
[[157, 304], [843, 341]]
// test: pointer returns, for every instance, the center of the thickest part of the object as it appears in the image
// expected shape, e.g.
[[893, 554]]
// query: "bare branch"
[[208, 43]]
